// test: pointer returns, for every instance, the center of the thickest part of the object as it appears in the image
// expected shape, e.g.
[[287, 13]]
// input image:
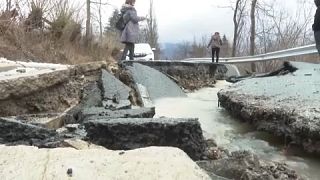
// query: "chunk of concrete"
[[132, 133], [112, 88], [67, 163], [100, 113], [12, 130]]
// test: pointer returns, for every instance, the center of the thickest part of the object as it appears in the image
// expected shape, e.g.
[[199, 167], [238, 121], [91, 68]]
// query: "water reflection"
[[231, 133]]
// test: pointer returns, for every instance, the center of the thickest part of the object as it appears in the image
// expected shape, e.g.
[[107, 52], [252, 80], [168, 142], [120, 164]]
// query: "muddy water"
[[231, 133]]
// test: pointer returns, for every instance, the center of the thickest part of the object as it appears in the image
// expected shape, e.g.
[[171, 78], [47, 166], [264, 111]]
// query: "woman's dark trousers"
[[317, 38], [215, 52], [129, 47]]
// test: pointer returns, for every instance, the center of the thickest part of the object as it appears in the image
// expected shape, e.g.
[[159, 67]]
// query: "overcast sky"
[[181, 20]]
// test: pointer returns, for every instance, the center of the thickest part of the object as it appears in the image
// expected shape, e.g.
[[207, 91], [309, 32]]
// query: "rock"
[[72, 127], [215, 153], [132, 133], [246, 166], [21, 70], [116, 105], [112, 88], [100, 113], [75, 131], [147, 163], [69, 172], [211, 143], [12, 131], [61, 130]]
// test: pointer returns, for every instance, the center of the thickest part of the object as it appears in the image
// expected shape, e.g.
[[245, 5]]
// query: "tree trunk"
[[88, 23], [235, 31], [100, 21], [8, 5], [152, 36], [253, 32]]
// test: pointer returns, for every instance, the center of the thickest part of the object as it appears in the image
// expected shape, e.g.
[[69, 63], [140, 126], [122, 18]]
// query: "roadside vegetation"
[[62, 31], [49, 31]]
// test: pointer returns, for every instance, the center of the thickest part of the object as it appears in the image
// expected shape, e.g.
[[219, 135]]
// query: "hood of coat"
[[126, 7]]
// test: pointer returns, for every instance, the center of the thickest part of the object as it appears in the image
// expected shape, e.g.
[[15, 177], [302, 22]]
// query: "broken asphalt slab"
[[22, 86], [285, 105], [132, 133], [112, 88], [12, 130], [100, 113]]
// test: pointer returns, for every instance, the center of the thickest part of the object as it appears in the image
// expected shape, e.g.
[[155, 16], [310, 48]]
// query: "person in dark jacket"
[[215, 44], [316, 25], [130, 34]]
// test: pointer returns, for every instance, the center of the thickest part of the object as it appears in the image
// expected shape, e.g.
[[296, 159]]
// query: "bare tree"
[[88, 23], [238, 22], [100, 20], [8, 5], [150, 33], [279, 29], [253, 31], [225, 48]]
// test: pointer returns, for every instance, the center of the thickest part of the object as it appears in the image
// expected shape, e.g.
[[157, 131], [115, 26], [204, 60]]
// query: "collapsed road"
[[78, 114]]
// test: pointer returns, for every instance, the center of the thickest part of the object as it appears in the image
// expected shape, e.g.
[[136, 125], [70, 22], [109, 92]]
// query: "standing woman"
[[130, 33], [215, 44]]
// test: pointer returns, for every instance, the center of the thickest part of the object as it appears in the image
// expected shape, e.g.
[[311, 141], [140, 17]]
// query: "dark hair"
[[317, 2], [130, 2]]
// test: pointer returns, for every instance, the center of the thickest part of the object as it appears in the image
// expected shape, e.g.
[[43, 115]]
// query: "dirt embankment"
[[52, 92]]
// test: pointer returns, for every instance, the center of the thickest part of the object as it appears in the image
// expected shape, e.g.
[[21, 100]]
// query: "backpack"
[[120, 24]]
